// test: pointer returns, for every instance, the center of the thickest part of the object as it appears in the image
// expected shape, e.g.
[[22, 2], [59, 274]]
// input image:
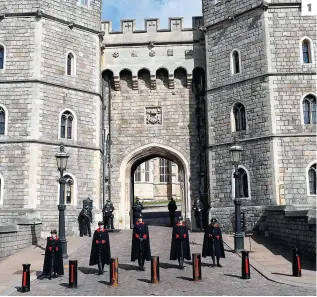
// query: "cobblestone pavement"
[[216, 281]]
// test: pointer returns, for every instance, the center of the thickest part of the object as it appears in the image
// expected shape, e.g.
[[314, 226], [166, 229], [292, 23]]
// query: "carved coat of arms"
[[153, 115]]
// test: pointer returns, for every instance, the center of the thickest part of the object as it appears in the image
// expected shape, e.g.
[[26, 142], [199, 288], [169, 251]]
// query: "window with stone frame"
[[235, 62], [242, 184], [84, 2], [70, 66], [239, 117], [306, 51], [2, 53], [147, 171], [67, 125], [2, 121], [165, 172], [309, 109], [137, 174], [69, 190], [312, 177]]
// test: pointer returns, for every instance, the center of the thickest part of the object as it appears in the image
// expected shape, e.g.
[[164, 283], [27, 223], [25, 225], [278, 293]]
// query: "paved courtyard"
[[216, 281]]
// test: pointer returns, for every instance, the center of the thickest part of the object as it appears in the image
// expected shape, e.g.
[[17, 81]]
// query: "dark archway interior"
[[156, 215]]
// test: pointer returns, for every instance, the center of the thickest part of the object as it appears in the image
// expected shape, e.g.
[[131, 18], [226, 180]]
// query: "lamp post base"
[[238, 242]]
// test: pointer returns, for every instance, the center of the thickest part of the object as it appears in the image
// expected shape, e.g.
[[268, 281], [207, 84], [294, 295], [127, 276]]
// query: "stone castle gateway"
[[244, 71]]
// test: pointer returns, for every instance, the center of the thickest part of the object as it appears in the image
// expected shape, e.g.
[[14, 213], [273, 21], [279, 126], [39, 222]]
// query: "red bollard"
[[26, 278], [73, 274], [155, 270], [196, 267], [245, 265], [296, 265], [114, 272]]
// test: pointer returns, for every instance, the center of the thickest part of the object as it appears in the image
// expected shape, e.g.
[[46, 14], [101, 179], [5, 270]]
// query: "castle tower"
[[50, 93], [156, 107], [260, 89]]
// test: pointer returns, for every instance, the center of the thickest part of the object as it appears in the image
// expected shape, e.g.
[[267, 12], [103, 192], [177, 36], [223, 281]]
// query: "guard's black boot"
[[100, 269]]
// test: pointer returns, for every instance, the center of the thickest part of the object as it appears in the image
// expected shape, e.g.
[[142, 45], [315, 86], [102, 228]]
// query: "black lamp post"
[[61, 159], [236, 151]]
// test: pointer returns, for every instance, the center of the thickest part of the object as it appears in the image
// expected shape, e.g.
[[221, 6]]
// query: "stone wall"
[[17, 236], [292, 227]]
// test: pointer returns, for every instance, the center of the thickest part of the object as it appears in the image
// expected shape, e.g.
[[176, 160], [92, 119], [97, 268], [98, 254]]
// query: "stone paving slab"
[[274, 267], [216, 281], [11, 267]]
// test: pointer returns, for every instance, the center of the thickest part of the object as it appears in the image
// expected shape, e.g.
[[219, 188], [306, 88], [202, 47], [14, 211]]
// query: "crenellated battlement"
[[128, 26]]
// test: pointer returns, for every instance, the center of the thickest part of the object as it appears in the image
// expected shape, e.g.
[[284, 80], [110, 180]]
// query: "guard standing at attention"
[[53, 260], [141, 248], [213, 244], [180, 248], [100, 248]]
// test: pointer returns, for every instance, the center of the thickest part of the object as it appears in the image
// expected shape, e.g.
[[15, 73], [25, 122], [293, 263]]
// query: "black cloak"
[[140, 240], [53, 249], [213, 244], [180, 234], [101, 241]]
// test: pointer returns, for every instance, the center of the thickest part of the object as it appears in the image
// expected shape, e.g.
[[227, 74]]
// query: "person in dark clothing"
[[180, 248], [141, 249], [137, 210], [198, 208], [108, 215], [213, 244], [84, 220], [100, 249], [172, 208], [53, 260]]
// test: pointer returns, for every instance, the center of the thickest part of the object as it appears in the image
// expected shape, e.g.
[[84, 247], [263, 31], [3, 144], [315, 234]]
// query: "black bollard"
[[196, 267], [245, 265], [73, 274], [155, 270], [296, 265], [114, 272], [26, 278]]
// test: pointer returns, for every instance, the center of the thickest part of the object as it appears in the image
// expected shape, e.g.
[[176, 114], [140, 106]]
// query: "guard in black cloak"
[[137, 210], [53, 261], [213, 244], [108, 216], [100, 248], [198, 208], [84, 220], [180, 248], [141, 249], [172, 208]]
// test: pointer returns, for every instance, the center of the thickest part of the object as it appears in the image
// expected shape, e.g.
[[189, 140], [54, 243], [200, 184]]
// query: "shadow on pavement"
[[185, 278], [88, 270], [202, 264], [277, 248], [285, 274], [64, 285], [233, 275], [168, 266], [105, 283], [128, 267], [144, 280], [39, 274]]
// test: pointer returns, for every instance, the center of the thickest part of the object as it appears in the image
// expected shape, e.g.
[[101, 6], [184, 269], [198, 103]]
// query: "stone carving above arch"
[[153, 115], [152, 53]]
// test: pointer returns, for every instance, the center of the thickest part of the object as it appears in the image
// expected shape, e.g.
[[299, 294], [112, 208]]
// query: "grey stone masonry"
[[271, 84]]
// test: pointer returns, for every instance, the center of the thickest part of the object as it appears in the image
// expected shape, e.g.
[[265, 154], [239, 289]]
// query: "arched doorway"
[[127, 169]]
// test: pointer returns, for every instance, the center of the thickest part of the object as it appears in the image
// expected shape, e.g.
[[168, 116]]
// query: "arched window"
[[2, 53], [312, 176], [235, 62], [239, 117], [2, 121], [309, 109], [241, 184], [67, 125], [306, 51], [70, 66], [69, 191]]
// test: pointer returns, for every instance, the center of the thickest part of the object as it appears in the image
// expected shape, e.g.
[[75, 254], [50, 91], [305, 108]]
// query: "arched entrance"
[[132, 161]]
